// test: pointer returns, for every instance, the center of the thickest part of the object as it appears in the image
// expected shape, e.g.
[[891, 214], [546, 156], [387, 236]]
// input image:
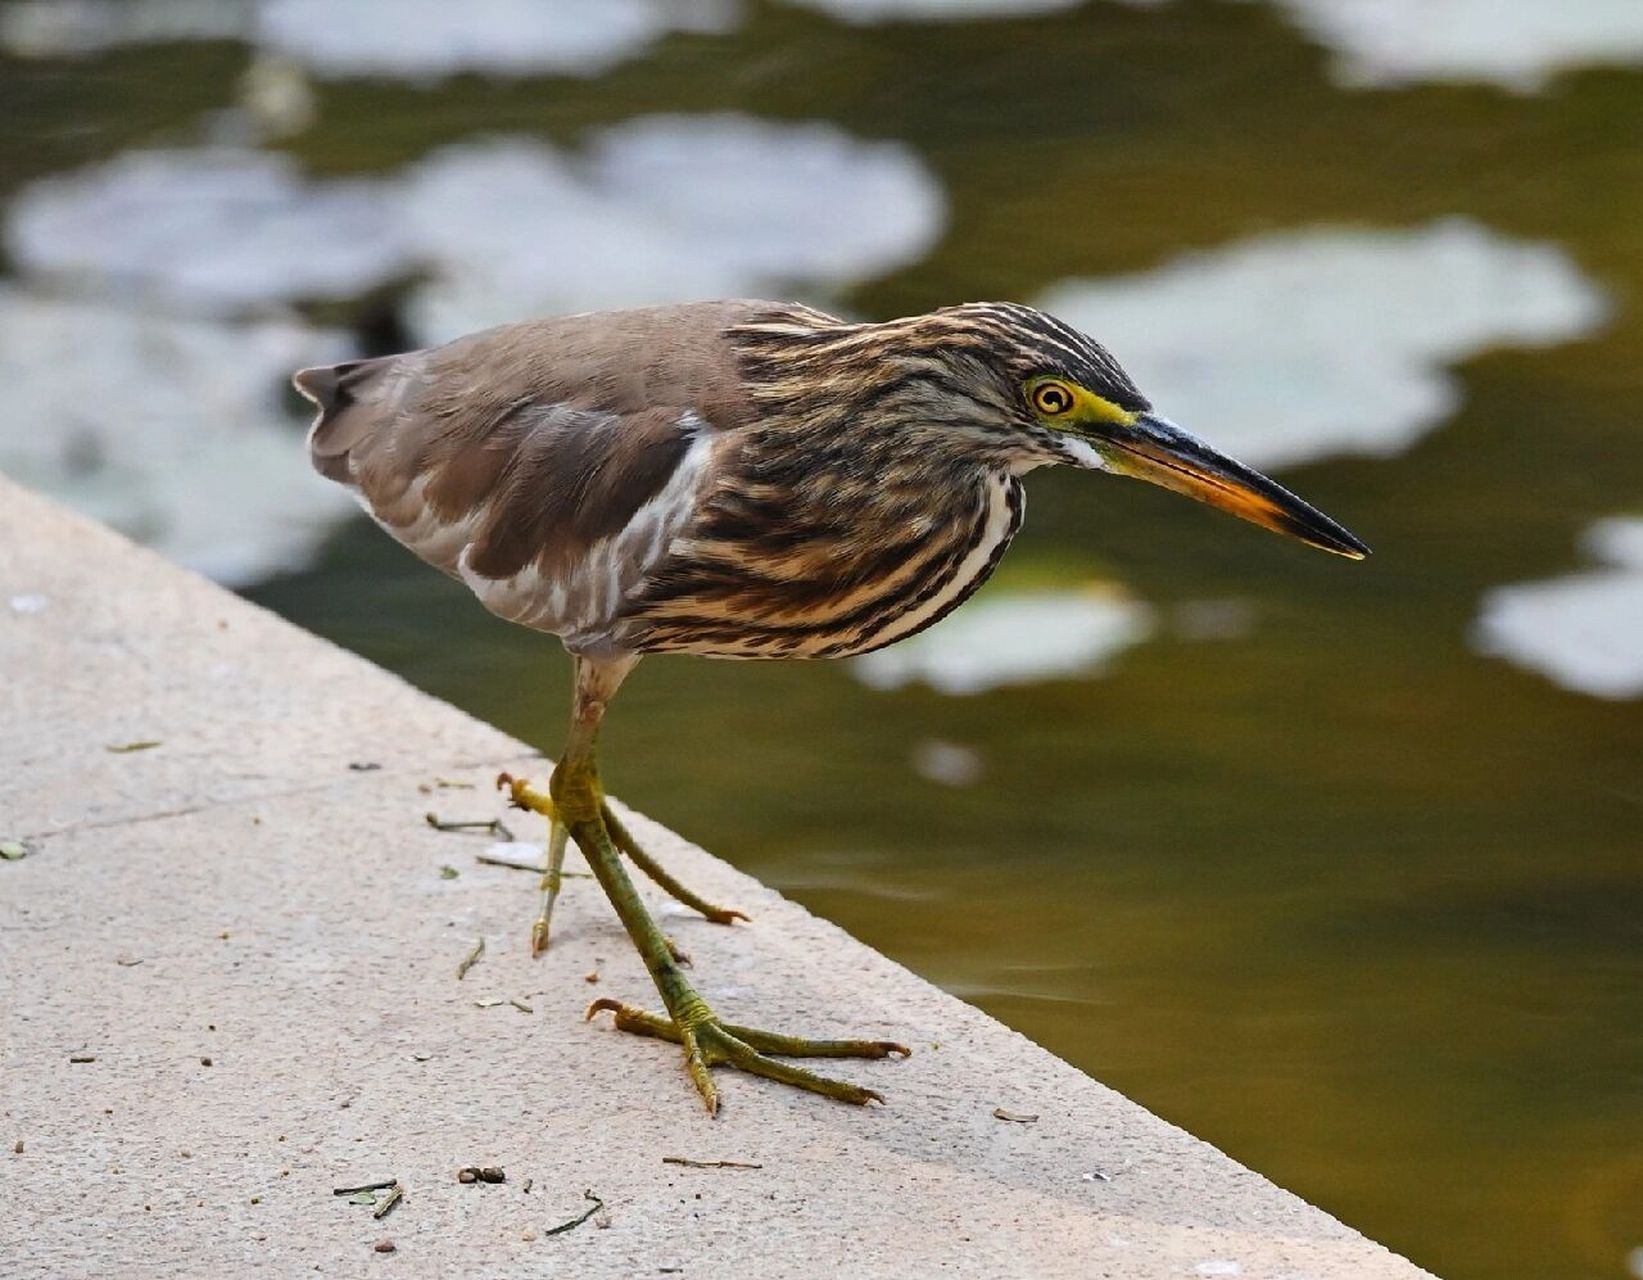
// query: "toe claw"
[[521, 795]]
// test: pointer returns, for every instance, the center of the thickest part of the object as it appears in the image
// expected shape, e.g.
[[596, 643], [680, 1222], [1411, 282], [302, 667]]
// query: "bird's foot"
[[709, 1042]]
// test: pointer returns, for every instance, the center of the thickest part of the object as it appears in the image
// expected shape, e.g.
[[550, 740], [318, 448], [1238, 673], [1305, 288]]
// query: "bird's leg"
[[524, 796], [552, 878], [690, 1022], [659, 875]]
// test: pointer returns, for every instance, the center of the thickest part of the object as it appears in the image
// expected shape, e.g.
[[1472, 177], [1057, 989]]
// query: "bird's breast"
[[847, 569]]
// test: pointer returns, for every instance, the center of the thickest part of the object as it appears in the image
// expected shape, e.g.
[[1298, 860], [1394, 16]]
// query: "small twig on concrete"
[[521, 1005], [518, 864], [449, 784], [491, 826], [1014, 1117], [592, 1209], [468, 961], [710, 1164], [396, 1193], [126, 748], [369, 1186]]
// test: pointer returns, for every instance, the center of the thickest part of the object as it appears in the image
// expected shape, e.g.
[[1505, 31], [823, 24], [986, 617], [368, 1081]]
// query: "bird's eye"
[[1052, 398]]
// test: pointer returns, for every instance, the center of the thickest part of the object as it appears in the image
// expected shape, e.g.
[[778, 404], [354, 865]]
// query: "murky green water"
[[1333, 891]]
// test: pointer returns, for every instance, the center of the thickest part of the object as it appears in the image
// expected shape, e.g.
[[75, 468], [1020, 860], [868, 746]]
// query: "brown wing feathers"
[[528, 443]]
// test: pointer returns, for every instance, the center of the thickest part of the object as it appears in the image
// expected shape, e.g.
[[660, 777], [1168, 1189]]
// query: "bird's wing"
[[547, 464]]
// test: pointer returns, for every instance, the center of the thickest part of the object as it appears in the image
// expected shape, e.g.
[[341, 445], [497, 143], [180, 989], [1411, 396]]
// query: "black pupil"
[[1053, 399]]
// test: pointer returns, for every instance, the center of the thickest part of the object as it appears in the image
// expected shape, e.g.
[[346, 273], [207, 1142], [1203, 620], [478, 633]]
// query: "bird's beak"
[[1155, 449]]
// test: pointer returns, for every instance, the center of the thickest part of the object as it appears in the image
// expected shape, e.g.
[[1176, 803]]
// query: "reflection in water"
[[54, 29], [211, 231], [1376, 42], [952, 764], [169, 430], [661, 209], [1584, 631], [866, 11], [1012, 638], [418, 40], [1521, 46], [428, 39], [1294, 347]]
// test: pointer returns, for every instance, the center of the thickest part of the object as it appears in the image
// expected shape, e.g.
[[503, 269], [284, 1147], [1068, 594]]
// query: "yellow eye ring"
[[1052, 398]]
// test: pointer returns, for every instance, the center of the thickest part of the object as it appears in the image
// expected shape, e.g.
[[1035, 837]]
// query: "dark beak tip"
[[1346, 545], [1319, 531]]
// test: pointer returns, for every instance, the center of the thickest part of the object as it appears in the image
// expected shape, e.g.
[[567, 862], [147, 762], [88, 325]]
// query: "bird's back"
[[545, 463]]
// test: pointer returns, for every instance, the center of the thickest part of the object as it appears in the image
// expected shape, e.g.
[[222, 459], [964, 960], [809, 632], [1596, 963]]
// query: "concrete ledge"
[[238, 894]]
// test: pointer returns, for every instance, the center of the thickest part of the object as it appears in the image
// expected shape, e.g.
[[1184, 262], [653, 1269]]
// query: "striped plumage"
[[736, 479]]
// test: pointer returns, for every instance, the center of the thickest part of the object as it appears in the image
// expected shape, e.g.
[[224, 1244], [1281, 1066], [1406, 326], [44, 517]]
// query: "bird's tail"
[[346, 396]]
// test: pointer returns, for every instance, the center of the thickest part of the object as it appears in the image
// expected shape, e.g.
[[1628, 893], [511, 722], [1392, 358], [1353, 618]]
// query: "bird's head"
[[1006, 385], [1066, 400]]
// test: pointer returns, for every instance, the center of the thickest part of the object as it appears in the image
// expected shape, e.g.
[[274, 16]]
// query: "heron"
[[737, 479]]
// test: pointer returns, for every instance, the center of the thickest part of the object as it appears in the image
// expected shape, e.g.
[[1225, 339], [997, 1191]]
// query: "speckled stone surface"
[[253, 948]]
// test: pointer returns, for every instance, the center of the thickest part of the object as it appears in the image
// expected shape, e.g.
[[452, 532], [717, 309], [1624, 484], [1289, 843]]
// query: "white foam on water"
[[212, 230], [74, 28], [1013, 638], [661, 209], [1376, 42], [1520, 46], [1583, 631], [431, 39], [1295, 346], [863, 12], [169, 430], [418, 40]]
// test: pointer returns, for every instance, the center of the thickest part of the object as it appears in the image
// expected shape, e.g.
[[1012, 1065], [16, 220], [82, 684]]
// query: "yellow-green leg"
[[524, 796], [707, 1042]]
